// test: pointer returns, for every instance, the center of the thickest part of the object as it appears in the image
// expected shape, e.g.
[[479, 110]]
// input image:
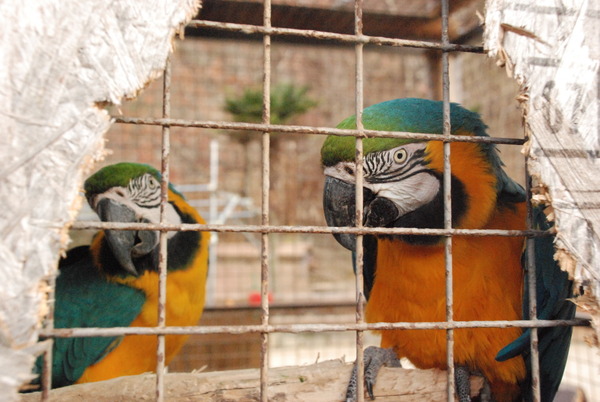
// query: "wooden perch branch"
[[317, 382]]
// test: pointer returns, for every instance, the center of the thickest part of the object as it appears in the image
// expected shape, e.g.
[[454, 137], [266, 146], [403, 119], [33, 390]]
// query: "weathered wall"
[[552, 50]]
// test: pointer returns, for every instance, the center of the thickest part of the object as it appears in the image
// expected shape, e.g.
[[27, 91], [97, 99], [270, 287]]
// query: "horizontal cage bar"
[[83, 225], [260, 128], [337, 37], [299, 328]]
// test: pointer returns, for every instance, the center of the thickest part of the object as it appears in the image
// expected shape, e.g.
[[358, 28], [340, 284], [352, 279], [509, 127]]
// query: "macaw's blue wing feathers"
[[509, 191], [553, 289], [85, 299]]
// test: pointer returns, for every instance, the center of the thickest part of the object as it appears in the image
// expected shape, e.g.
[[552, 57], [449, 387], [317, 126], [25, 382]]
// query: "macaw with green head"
[[404, 275], [114, 281]]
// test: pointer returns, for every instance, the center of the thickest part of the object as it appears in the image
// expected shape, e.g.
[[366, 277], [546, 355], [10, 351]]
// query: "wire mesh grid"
[[266, 329]]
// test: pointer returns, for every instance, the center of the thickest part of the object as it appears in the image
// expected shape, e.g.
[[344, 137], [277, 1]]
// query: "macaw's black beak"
[[126, 245], [339, 206]]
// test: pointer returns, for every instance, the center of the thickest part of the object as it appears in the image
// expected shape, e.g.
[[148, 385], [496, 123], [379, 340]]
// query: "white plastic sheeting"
[[552, 49], [61, 59]]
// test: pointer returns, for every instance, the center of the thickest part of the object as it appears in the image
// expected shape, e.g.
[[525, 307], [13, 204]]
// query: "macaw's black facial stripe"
[[181, 248], [377, 169], [431, 215], [145, 191], [149, 203], [148, 199], [401, 174], [376, 161], [419, 153]]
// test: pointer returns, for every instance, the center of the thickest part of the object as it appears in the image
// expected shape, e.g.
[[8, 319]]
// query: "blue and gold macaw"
[[114, 281], [404, 276]]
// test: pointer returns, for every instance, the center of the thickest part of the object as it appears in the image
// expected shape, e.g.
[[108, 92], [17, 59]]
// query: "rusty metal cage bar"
[[46, 376], [298, 328], [306, 229], [162, 254], [531, 279], [313, 130], [450, 386], [359, 257], [264, 283], [323, 35], [359, 40]]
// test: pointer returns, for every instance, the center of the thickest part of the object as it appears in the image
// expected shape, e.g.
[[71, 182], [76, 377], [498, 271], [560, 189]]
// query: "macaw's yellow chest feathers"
[[488, 282]]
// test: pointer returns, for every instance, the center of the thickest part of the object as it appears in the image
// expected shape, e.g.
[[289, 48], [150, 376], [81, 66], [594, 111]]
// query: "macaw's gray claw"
[[374, 358], [351, 391], [463, 385], [369, 387], [462, 382]]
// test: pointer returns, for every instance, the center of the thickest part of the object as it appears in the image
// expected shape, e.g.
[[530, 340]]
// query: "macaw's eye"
[[153, 183], [400, 156]]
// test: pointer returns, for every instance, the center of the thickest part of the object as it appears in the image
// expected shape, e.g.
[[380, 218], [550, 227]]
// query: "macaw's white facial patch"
[[410, 193], [344, 171]]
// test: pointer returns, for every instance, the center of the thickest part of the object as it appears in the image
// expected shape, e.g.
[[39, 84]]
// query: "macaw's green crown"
[[408, 114], [118, 175]]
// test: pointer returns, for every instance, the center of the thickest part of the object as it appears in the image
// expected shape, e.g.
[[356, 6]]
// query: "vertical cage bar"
[[359, 101], [211, 280], [46, 374], [266, 184], [531, 279], [162, 255], [450, 390], [46, 380]]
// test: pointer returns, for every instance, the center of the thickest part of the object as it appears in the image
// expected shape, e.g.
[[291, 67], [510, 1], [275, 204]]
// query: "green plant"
[[287, 101]]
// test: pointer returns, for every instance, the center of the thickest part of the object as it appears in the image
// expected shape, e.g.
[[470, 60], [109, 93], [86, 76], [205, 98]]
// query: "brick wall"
[[206, 71]]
